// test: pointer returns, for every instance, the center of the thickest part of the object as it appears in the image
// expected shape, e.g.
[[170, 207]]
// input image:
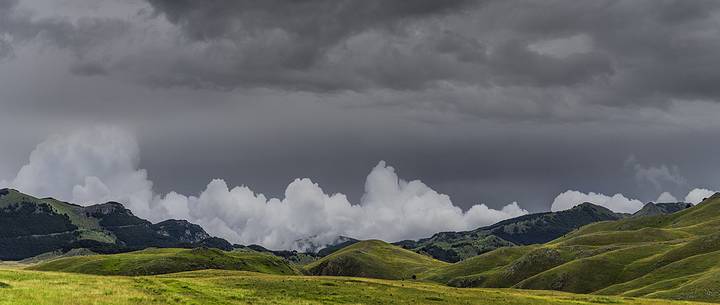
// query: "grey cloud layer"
[[18, 26], [490, 55], [639, 51]]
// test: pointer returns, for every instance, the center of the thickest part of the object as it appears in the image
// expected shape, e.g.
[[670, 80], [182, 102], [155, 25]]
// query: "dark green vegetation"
[[162, 261], [524, 230], [671, 256], [375, 259], [31, 226]]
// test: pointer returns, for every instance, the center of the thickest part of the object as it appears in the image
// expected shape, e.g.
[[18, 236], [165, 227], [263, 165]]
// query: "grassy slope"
[[482, 263], [161, 261], [674, 256], [374, 259], [88, 227], [22, 287]]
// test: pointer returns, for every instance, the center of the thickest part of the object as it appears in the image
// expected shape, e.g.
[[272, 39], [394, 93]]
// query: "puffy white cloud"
[[89, 166], [697, 195], [391, 209], [666, 197], [617, 203], [101, 164]]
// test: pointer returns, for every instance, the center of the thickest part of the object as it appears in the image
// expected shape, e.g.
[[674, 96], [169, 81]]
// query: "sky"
[[281, 121]]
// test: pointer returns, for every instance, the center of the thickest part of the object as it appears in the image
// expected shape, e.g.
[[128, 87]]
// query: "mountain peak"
[[651, 208], [587, 205], [108, 208]]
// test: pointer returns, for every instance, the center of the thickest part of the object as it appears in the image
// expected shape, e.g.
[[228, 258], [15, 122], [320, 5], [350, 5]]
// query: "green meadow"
[[26, 287]]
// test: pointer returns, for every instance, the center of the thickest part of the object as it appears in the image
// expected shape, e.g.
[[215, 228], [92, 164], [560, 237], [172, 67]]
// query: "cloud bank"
[[101, 164]]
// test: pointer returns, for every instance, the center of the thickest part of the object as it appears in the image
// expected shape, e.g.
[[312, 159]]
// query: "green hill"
[[374, 259], [524, 230], [674, 256], [161, 261], [31, 226]]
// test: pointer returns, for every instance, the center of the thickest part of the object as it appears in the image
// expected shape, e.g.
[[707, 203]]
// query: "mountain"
[[524, 230], [375, 259], [652, 209], [671, 256], [31, 226]]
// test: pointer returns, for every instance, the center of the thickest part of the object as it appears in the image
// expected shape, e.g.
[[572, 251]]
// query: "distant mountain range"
[[31, 226], [524, 230]]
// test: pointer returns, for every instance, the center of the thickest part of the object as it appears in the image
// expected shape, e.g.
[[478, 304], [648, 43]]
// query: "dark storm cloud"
[[19, 26], [320, 22], [631, 52], [287, 44], [323, 46]]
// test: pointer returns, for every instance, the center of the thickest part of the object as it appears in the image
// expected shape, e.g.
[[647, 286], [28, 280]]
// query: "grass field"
[[207, 287]]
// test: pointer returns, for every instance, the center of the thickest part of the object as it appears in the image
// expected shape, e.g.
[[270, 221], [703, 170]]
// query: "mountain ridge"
[[528, 229], [32, 226]]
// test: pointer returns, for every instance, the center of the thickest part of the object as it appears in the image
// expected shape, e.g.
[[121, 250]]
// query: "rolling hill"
[[162, 261], [672, 256], [374, 259], [31, 226]]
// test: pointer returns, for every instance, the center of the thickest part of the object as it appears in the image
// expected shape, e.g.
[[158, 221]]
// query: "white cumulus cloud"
[[101, 164], [697, 195], [666, 197], [617, 203], [89, 166]]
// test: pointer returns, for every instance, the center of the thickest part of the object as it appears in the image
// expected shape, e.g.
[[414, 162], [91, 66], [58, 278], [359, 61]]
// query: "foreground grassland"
[[24, 287]]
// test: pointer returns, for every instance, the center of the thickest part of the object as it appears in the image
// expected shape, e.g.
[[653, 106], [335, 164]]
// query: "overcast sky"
[[486, 101]]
